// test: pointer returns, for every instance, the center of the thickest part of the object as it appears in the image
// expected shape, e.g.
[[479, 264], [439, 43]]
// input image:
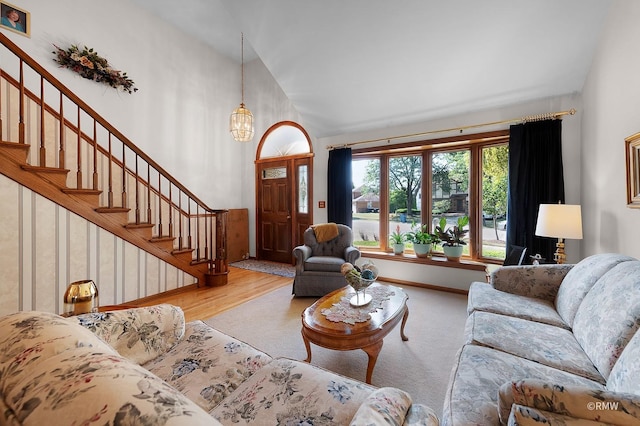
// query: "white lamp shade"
[[560, 221], [241, 124]]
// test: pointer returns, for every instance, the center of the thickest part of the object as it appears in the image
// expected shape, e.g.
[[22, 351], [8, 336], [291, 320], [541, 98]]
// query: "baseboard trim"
[[422, 285]]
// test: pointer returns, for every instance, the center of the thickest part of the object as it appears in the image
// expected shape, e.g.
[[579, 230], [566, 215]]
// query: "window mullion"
[[475, 209], [384, 202]]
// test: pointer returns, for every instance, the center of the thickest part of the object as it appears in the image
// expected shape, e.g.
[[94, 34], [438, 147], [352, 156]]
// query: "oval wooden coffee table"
[[367, 335]]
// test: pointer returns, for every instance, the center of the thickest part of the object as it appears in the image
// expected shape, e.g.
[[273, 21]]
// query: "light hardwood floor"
[[204, 302]]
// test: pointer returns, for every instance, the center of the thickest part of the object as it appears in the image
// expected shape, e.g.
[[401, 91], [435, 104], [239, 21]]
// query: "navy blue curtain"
[[535, 177], [339, 186]]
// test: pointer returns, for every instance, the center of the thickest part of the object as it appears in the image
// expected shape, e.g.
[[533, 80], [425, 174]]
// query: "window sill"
[[433, 260]]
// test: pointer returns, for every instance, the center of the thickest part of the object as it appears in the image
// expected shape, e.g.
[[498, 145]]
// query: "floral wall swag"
[[88, 64]]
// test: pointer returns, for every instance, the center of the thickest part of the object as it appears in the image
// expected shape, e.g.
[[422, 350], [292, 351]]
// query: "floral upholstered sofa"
[[551, 344], [145, 366]]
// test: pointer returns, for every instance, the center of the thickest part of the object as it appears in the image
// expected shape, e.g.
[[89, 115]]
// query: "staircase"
[[57, 146]]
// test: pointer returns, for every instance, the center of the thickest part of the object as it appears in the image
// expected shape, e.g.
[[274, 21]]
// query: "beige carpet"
[[421, 366]]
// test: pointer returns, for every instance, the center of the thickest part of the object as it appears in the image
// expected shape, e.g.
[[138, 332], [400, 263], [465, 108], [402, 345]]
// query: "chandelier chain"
[[242, 68]]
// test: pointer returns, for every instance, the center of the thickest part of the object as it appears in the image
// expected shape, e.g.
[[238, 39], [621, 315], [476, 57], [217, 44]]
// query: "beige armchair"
[[318, 262]]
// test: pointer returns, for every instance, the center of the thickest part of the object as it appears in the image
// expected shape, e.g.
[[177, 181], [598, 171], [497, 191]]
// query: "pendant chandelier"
[[241, 120]]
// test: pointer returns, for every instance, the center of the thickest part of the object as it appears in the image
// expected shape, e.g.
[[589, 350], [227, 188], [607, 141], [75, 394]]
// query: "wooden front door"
[[274, 211], [284, 201]]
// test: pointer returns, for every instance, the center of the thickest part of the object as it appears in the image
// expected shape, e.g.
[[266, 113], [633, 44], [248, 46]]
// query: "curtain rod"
[[525, 119]]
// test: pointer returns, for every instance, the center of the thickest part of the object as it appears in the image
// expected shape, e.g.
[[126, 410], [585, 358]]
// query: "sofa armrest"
[[139, 334], [572, 401], [351, 254], [539, 281], [421, 415], [301, 253], [389, 406]]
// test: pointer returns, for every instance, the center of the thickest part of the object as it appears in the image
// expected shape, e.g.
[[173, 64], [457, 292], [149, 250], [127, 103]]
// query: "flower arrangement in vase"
[[360, 277]]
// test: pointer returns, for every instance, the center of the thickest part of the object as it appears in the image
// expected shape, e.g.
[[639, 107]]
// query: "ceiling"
[[359, 65]]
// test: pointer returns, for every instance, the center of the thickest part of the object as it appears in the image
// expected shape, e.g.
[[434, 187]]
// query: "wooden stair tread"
[[82, 191], [113, 210], [39, 169], [15, 145], [182, 251], [18, 151], [161, 238], [55, 175], [139, 225]]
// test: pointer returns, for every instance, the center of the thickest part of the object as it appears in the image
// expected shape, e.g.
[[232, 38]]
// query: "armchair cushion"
[[569, 400], [323, 264]]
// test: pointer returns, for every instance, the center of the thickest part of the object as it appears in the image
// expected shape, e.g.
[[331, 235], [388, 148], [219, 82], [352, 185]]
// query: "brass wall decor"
[[632, 148]]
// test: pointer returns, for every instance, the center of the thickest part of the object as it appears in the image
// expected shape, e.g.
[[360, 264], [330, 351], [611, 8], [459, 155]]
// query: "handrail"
[[86, 108]]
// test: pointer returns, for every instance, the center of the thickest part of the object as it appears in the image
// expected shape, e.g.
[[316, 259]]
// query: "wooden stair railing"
[[74, 157]]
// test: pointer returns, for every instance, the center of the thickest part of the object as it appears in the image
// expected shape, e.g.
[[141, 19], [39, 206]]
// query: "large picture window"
[[419, 183]]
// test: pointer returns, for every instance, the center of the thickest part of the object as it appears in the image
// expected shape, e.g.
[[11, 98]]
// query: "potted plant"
[[452, 237], [423, 241], [397, 239]]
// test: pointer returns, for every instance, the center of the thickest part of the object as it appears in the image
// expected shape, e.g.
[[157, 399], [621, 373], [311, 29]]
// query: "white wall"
[[187, 91], [611, 97]]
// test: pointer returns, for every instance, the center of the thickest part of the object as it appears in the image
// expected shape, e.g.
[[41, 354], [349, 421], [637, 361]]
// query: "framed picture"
[[15, 19], [632, 147]]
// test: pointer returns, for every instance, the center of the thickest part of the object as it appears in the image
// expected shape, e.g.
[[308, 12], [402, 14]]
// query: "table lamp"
[[559, 221]]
